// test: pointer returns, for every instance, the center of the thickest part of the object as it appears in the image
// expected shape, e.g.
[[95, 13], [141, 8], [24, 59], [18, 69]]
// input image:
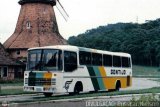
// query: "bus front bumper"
[[39, 89]]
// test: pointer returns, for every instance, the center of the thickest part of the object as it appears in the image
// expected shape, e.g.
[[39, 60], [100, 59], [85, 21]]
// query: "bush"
[[144, 100], [11, 81]]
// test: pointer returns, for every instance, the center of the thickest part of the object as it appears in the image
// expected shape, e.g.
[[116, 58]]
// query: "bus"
[[72, 69]]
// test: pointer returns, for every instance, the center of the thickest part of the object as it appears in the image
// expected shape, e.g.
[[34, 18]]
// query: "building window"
[[18, 52], [3, 72], [28, 25]]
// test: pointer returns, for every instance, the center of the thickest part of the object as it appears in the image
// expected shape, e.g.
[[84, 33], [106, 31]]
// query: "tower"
[[36, 26]]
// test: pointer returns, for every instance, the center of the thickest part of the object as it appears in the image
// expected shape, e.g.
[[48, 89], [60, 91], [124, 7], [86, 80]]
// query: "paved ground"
[[138, 83], [143, 83]]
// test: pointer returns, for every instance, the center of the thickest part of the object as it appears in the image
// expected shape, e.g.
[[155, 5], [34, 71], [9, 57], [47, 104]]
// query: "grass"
[[38, 99], [146, 71], [16, 82], [144, 100], [13, 92]]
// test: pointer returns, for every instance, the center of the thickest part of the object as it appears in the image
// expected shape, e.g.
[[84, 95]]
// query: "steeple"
[[36, 26]]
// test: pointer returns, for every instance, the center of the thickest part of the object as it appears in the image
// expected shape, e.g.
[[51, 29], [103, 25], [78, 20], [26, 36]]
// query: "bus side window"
[[129, 62], [96, 59], [70, 61], [126, 62], [84, 58], [116, 61], [107, 60]]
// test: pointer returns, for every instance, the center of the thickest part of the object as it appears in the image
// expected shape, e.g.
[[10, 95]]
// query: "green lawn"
[[145, 71], [13, 92], [39, 99], [16, 82]]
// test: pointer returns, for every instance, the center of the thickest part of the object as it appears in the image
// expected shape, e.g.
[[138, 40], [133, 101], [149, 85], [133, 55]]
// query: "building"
[[36, 27], [9, 68]]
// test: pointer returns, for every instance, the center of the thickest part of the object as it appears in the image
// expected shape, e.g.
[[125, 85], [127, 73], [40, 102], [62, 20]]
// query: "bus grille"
[[41, 82]]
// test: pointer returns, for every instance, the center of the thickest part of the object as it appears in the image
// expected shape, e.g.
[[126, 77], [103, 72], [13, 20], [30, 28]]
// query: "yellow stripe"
[[110, 83], [103, 74], [47, 75]]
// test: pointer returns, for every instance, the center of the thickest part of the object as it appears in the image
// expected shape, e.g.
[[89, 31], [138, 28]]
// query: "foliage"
[[144, 100], [142, 41]]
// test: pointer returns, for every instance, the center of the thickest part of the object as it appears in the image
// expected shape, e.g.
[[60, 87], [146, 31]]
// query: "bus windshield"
[[44, 60]]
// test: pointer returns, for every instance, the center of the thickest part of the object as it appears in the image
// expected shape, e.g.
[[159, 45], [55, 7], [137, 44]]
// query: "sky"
[[84, 14]]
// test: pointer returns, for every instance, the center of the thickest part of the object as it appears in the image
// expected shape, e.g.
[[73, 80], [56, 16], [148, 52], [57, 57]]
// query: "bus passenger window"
[[129, 62], [96, 59], [70, 61], [107, 60], [84, 58], [116, 61], [125, 62]]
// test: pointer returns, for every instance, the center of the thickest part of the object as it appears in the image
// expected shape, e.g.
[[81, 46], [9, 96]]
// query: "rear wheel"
[[48, 94], [118, 85]]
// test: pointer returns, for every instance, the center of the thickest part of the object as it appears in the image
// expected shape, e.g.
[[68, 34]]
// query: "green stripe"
[[93, 79], [100, 81], [31, 79]]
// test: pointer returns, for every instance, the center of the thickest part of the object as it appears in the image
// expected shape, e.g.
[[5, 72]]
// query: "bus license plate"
[[39, 89]]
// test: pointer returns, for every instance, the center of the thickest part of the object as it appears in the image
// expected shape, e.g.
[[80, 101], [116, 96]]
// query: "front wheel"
[[77, 89], [48, 94]]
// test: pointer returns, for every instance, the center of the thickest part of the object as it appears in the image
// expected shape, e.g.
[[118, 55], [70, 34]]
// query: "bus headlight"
[[26, 81], [53, 81]]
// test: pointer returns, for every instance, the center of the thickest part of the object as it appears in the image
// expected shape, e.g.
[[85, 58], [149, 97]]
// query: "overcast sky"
[[85, 14]]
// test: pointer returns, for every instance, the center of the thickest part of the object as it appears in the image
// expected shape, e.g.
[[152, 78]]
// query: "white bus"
[[72, 69]]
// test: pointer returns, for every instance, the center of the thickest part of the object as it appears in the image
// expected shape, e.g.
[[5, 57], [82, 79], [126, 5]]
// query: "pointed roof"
[[36, 27], [52, 2], [5, 59], [26, 41]]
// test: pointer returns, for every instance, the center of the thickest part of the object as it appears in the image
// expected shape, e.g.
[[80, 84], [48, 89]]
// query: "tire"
[[48, 94], [71, 93], [78, 88], [118, 86]]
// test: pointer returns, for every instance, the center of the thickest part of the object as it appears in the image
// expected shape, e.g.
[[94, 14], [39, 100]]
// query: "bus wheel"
[[47, 94], [71, 93], [118, 86], [78, 87]]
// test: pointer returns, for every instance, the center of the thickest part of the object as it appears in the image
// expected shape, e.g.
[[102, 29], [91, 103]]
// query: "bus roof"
[[76, 48]]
